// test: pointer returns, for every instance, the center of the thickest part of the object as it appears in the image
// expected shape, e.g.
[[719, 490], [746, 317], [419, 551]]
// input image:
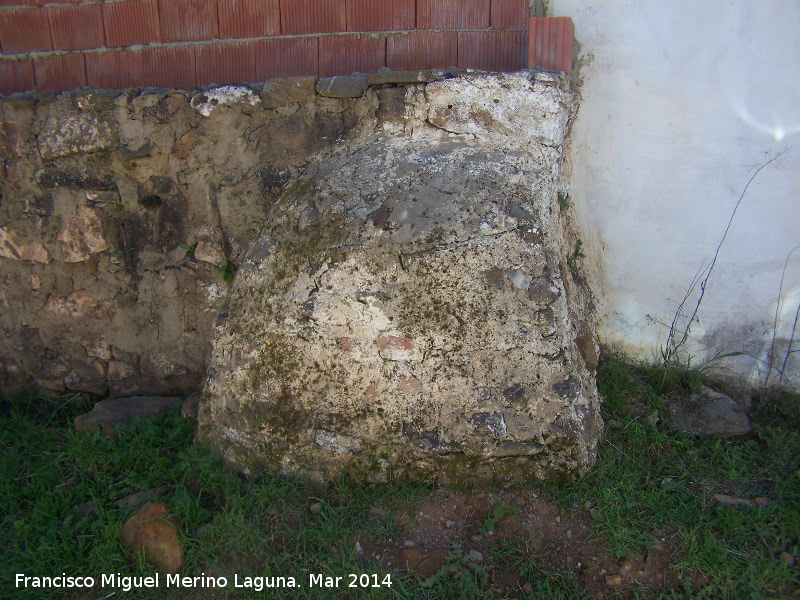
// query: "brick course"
[[186, 43]]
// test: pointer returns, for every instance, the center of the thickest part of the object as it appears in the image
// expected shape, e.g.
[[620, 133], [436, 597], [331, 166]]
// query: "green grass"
[[260, 527], [647, 481], [656, 480]]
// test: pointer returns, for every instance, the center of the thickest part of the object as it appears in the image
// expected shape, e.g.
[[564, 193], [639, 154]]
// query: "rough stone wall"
[[408, 310], [400, 296], [118, 209]]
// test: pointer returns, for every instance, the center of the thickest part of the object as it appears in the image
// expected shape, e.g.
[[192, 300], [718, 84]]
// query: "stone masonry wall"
[[124, 214], [118, 209]]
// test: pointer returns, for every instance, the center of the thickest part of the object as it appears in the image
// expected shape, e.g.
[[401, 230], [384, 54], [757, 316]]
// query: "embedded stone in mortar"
[[73, 134], [206, 102], [406, 304]]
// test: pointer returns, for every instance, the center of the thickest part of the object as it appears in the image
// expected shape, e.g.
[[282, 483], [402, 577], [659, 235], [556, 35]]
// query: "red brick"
[[102, 71], [25, 30], [169, 67], [319, 16], [369, 15], [156, 67], [348, 53], [551, 43], [129, 23], [187, 20], [510, 14], [226, 62], [16, 76], [422, 50], [60, 72], [493, 50], [76, 27], [450, 14], [287, 57], [130, 69], [249, 18]]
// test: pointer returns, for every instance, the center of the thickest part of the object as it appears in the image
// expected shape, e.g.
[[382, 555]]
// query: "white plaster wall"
[[681, 102]]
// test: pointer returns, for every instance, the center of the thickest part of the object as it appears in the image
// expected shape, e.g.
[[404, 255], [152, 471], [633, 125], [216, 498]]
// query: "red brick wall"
[[66, 44]]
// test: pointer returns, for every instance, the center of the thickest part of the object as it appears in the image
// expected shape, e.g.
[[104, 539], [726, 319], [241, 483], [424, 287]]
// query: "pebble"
[[475, 556], [450, 524], [613, 580], [359, 550], [569, 534], [409, 543], [558, 519], [527, 588], [316, 507]]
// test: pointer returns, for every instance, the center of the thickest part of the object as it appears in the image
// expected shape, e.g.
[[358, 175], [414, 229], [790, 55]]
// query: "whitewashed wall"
[[682, 101]]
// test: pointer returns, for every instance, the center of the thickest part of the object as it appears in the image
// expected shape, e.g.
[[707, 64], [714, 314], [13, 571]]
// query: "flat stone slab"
[[709, 413], [287, 90], [342, 86], [106, 414], [403, 77]]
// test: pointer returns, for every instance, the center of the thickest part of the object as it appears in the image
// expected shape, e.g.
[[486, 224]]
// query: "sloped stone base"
[[407, 311]]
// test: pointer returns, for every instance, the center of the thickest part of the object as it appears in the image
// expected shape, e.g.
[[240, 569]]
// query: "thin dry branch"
[[775, 324], [672, 347]]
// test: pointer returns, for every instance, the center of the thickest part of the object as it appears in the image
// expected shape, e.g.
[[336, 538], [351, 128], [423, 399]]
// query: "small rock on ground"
[[106, 414], [709, 413], [156, 531]]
